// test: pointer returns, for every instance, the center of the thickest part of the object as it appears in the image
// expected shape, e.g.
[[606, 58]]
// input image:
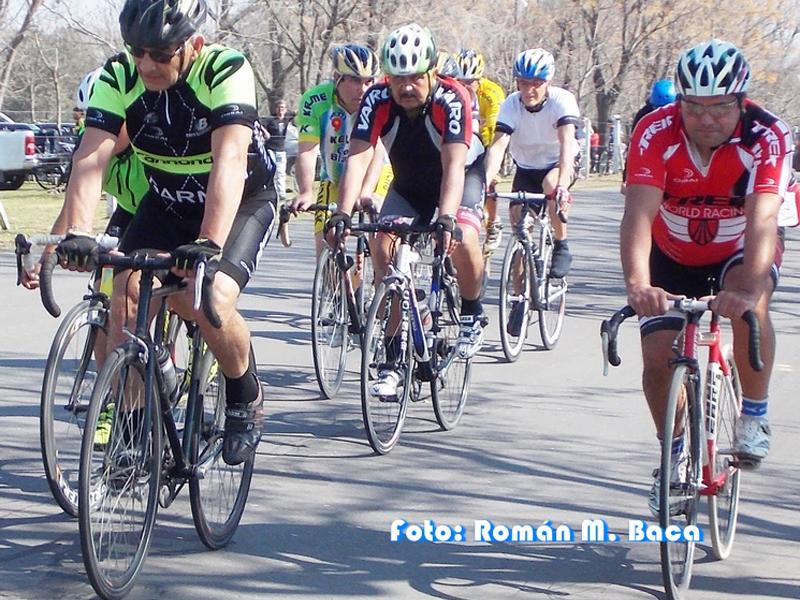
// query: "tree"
[[9, 53]]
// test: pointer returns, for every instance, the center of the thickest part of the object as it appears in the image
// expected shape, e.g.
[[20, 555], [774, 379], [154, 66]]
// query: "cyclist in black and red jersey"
[[706, 176], [425, 123]]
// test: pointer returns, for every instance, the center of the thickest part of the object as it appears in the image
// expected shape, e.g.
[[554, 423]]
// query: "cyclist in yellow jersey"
[[325, 118], [488, 96]]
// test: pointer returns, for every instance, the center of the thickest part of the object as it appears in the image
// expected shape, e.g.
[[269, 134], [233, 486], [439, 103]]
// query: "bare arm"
[[641, 206], [454, 158], [86, 182], [373, 171], [494, 155], [358, 161], [566, 157], [226, 181], [304, 168]]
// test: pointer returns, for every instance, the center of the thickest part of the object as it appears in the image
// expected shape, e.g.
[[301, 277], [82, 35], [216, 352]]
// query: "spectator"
[[276, 127], [595, 150]]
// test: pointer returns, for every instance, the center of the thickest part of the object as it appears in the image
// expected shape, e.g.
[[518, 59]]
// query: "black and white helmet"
[[713, 68], [409, 50], [160, 23], [84, 91]]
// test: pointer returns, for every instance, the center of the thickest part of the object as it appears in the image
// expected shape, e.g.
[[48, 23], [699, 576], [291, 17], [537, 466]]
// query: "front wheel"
[[69, 379], [451, 373], [515, 299], [329, 325], [217, 491], [724, 469], [680, 478], [382, 350], [552, 300], [120, 474]]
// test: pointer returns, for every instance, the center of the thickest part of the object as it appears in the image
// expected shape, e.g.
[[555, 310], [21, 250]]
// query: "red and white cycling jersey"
[[701, 220]]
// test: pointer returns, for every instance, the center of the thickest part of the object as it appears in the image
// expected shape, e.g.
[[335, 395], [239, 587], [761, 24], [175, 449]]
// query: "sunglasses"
[[163, 57], [716, 111]]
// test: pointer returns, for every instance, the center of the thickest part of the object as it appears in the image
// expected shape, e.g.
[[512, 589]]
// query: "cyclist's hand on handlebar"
[[450, 238], [734, 303], [649, 301], [30, 279], [185, 258], [301, 202], [78, 252], [337, 228], [563, 198]]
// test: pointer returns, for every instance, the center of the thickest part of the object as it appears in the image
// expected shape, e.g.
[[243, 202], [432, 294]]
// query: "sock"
[[471, 307], [754, 408], [392, 349], [244, 389]]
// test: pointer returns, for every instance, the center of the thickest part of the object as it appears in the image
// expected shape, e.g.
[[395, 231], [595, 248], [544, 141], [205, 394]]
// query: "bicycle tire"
[[49, 177], [365, 291], [723, 507], [119, 478], [218, 492], [512, 345], [329, 325], [551, 303], [449, 389], [65, 399], [677, 557], [383, 419]]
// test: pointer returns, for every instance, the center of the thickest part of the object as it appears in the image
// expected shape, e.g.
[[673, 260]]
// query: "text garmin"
[[179, 196]]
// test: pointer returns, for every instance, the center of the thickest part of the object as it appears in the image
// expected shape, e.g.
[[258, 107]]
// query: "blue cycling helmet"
[[662, 93], [534, 64]]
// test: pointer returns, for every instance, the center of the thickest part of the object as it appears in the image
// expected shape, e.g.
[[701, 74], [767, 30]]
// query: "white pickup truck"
[[18, 154]]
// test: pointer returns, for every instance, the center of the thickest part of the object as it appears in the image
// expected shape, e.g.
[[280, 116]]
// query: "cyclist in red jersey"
[[706, 176], [425, 123]]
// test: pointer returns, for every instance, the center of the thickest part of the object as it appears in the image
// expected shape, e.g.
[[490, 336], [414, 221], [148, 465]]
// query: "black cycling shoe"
[[516, 317], [243, 425], [562, 261]]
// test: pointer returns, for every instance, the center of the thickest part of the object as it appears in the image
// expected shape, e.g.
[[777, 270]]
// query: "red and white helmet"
[[713, 68]]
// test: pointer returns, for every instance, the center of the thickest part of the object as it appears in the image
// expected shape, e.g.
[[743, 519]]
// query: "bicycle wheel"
[[516, 271], [69, 379], [384, 416], [680, 483], [329, 321], [450, 385], [552, 298], [218, 494], [120, 474], [365, 291], [49, 177], [723, 507]]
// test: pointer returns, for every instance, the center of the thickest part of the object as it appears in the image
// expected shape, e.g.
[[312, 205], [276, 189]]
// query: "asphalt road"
[[546, 438]]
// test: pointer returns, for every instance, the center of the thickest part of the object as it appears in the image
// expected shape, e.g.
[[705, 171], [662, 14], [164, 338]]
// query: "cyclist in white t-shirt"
[[538, 121]]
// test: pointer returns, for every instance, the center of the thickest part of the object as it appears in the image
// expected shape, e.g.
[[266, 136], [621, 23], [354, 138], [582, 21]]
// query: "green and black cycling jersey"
[[170, 130], [125, 180]]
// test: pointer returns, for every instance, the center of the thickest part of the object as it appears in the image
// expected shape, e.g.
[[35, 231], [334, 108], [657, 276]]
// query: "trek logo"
[[452, 101], [368, 105], [312, 100], [654, 128], [773, 145], [178, 196]]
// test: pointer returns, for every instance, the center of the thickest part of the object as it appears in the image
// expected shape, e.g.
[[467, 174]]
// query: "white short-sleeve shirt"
[[534, 136]]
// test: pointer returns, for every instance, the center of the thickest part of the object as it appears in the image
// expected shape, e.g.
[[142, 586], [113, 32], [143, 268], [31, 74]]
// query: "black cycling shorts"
[[531, 180], [120, 220], [156, 228]]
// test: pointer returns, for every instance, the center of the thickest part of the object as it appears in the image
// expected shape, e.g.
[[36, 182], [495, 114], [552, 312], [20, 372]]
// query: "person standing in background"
[[276, 127]]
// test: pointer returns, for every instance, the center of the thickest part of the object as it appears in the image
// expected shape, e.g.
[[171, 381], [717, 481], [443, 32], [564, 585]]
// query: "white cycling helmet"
[[408, 51], [535, 64], [84, 91], [713, 68]]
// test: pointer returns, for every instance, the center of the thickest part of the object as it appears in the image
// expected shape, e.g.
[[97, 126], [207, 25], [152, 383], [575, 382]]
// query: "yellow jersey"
[[490, 96]]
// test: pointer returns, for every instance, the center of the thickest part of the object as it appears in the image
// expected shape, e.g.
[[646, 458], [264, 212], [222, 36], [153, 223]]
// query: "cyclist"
[[190, 113], [426, 125], [325, 119], [538, 123], [705, 180], [488, 97]]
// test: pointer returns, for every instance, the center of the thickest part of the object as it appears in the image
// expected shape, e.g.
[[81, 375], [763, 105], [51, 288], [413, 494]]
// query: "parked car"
[[18, 154]]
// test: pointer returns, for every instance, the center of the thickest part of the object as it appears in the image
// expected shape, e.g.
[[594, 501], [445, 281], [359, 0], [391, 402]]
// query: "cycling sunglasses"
[[163, 57]]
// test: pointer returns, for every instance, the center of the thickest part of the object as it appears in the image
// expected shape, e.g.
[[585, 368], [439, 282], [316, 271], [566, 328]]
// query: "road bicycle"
[[137, 454], [71, 370], [706, 411], [423, 326], [343, 288], [527, 291]]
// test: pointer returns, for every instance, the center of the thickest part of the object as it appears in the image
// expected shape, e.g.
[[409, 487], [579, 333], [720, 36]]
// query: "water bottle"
[[169, 379]]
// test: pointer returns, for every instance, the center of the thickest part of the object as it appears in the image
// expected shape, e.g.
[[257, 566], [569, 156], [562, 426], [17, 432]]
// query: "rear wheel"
[[680, 481], [49, 176], [515, 298], [329, 324], [723, 507], [218, 492], [120, 474], [69, 379], [450, 385], [552, 298], [384, 415]]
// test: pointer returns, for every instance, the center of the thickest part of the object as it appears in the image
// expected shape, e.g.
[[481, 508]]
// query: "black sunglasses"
[[160, 56]]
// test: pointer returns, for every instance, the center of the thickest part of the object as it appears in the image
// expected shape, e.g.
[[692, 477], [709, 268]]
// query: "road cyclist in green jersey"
[[190, 113]]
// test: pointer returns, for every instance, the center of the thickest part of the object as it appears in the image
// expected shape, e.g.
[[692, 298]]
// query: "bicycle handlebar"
[[285, 214], [610, 327], [532, 199]]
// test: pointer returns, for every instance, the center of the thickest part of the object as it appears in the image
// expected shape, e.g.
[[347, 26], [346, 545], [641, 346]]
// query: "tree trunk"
[[11, 53]]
